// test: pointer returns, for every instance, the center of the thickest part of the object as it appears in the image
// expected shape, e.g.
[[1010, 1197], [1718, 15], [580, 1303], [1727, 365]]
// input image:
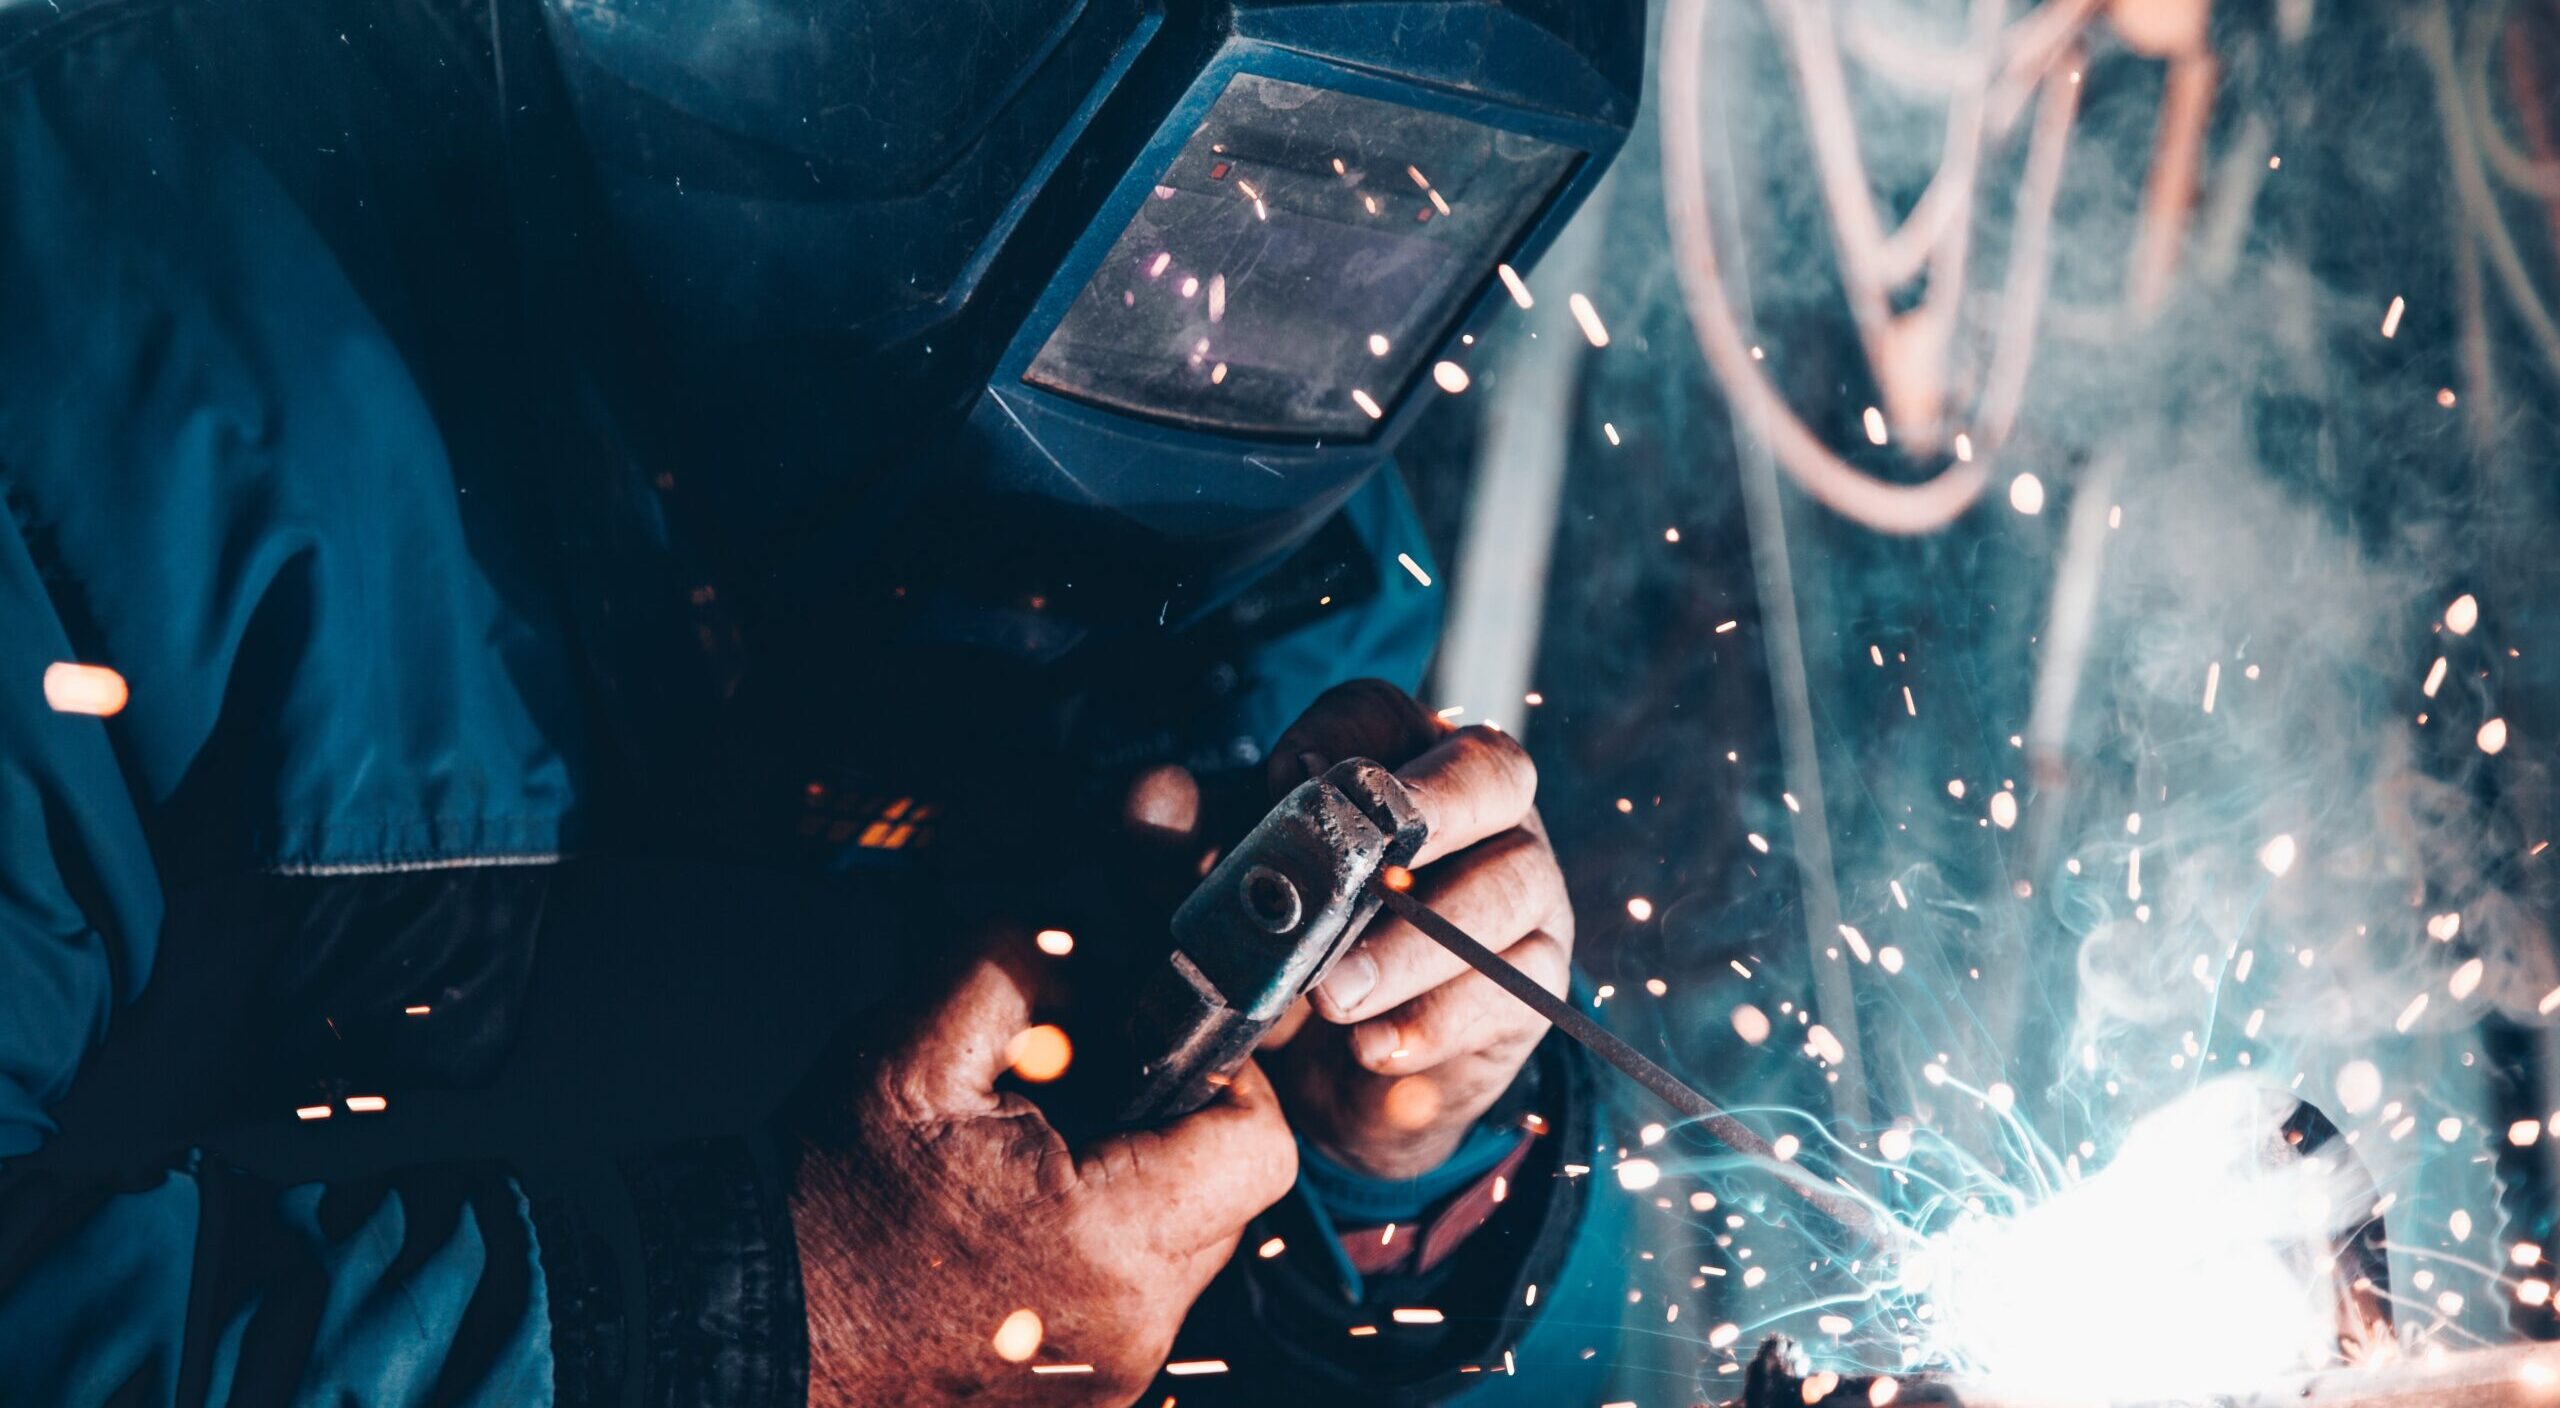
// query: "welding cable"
[[1887, 507]]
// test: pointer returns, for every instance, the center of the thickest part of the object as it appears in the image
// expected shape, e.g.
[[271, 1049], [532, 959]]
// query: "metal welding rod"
[[1833, 1202]]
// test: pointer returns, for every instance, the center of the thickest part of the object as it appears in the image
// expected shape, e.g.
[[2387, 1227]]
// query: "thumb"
[[953, 1056], [1208, 1173]]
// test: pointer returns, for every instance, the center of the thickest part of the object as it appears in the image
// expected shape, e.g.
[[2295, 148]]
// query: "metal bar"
[[1833, 1203]]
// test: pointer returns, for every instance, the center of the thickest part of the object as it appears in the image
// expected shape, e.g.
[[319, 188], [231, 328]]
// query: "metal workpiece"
[[1264, 927], [2502, 1376], [1780, 1376], [2357, 1262]]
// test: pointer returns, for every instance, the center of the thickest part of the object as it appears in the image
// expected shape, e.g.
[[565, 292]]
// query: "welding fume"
[[1192, 702]]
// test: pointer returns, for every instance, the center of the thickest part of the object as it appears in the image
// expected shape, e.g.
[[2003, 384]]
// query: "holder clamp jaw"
[[1263, 928]]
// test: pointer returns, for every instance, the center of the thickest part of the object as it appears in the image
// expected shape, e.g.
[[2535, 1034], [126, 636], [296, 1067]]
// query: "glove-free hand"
[[1411, 1046], [937, 1208]]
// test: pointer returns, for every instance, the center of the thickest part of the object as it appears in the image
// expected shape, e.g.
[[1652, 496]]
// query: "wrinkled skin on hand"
[[1408, 1047], [938, 1207]]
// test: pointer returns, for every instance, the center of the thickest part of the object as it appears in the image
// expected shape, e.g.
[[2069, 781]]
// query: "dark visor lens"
[[1296, 262]]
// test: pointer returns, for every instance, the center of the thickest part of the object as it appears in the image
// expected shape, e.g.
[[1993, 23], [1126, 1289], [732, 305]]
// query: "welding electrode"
[[1842, 1209]]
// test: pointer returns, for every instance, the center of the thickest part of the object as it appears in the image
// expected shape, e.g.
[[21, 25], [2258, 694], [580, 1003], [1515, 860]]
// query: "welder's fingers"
[[1475, 783], [1163, 806], [952, 1057], [1363, 719], [1205, 1174], [1468, 1016], [1498, 891], [1287, 1027]]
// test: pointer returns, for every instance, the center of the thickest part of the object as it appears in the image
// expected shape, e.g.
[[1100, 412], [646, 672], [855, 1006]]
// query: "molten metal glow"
[[2197, 1262]]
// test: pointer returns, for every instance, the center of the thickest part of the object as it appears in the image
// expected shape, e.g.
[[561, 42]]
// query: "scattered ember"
[[2026, 494], [1018, 1338], [1412, 1103], [84, 689], [1751, 1024], [1589, 318], [1039, 1054]]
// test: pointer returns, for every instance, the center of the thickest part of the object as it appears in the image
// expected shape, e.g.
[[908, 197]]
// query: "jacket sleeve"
[[224, 489], [185, 1280]]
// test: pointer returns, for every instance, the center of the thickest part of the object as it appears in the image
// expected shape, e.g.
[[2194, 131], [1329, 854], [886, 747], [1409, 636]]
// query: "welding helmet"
[[1116, 300]]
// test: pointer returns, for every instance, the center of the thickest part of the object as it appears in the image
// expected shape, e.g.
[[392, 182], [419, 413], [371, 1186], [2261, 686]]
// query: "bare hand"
[[1413, 1046], [940, 1208]]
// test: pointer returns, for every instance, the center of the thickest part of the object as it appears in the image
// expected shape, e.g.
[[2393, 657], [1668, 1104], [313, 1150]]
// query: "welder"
[[561, 551]]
